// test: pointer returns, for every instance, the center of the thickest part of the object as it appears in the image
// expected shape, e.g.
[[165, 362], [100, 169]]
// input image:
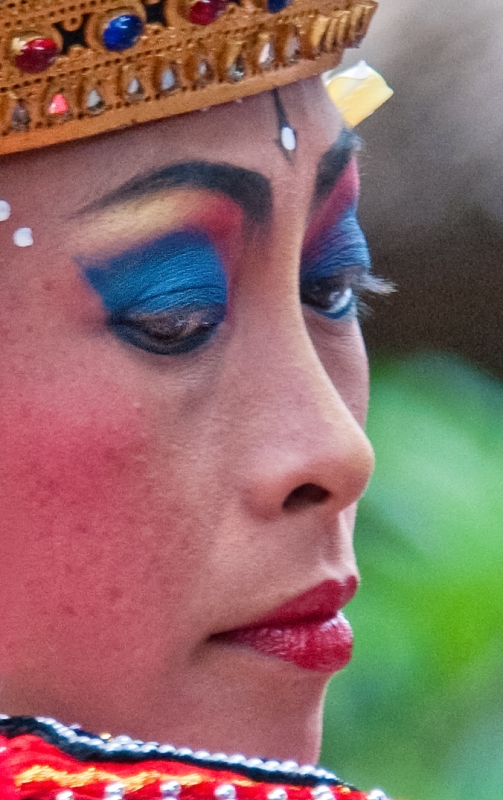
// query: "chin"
[[241, 701]]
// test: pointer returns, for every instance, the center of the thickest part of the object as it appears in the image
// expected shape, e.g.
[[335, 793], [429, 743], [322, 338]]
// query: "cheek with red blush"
[[72, 466], [69, 444]]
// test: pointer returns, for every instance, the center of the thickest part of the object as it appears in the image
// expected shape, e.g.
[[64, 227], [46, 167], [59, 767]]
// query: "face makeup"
[[166, 296], [309, 631], [4, 210], [335, 264], [23, 237], [182, 429]]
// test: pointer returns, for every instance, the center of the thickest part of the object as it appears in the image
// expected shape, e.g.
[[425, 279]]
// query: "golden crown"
[[73, 68]]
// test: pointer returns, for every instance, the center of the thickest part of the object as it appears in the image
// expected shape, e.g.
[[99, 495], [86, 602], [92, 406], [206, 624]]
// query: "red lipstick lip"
[[308, 631], [316, 605]]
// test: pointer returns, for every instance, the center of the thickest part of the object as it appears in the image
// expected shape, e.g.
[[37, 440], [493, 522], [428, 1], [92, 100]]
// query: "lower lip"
[[319, 646]]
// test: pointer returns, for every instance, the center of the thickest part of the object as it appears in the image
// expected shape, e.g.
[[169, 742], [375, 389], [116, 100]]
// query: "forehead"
[[244, 134]]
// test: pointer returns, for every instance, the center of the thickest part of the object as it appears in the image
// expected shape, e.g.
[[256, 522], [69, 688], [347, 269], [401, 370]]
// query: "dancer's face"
[[182, 444]]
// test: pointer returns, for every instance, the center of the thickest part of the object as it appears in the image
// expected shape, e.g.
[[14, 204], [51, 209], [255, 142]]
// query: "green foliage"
[[420, 710]]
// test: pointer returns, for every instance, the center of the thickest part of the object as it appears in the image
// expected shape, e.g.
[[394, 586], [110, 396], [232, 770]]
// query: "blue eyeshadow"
[[340, 246], [180, 270]]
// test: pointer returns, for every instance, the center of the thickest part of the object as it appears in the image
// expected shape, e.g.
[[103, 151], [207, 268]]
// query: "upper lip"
[[316, 605]]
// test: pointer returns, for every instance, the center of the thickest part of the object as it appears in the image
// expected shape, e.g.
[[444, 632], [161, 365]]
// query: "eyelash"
[[341, 295], [328, 285], [170, 332], [166, 297], [335, 270], [180, 330]]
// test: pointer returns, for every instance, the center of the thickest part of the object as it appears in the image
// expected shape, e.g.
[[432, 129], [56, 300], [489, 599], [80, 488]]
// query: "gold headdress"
[[73, 68]]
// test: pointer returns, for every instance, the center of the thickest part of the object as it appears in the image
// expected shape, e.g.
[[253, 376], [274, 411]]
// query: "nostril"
[[305, 495]]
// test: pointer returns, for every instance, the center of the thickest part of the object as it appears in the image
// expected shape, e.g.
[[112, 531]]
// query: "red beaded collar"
[[40, 759]]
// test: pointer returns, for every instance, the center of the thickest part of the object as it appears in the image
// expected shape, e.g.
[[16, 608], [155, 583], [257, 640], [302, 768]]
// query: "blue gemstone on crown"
[[122, 32], [274, 6]]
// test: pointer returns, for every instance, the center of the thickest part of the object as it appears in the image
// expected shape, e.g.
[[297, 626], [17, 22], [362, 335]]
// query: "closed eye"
[[170, 332], [166, 297]]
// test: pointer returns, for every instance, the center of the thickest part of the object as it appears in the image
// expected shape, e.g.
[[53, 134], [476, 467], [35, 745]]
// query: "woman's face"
[[182, 444]]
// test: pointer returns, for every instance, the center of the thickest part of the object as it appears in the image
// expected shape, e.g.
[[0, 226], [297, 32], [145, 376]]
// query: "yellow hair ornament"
[[357, 92]]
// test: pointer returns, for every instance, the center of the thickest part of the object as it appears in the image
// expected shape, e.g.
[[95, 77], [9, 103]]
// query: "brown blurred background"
[[432, 177]]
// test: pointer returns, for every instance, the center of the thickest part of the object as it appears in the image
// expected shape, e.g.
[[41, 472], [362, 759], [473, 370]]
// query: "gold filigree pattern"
[[172, 66], [87, 776]]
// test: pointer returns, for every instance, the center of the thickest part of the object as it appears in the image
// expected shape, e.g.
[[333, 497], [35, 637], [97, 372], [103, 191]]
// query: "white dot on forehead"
[[4, 210], [23, 237], [288, 139]]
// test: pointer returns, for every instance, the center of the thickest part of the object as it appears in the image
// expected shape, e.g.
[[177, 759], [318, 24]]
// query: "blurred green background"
[[419, 712]]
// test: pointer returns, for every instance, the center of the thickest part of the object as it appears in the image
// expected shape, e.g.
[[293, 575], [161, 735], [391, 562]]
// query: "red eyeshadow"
[[221, 219], [343, 196]]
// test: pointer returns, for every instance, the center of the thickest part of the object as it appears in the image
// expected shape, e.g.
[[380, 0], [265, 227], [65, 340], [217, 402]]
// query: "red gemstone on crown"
[[204, 12], [36, 55], [58, 104]]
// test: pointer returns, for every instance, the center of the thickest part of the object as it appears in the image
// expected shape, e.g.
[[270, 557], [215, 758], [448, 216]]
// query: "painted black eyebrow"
[[251, 190], [333, 163]]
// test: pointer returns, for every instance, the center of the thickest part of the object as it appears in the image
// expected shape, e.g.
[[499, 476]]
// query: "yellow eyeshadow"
[[115, 229]]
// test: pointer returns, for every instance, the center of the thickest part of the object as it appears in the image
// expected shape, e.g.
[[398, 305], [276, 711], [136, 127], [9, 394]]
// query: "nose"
[[305, 448]]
